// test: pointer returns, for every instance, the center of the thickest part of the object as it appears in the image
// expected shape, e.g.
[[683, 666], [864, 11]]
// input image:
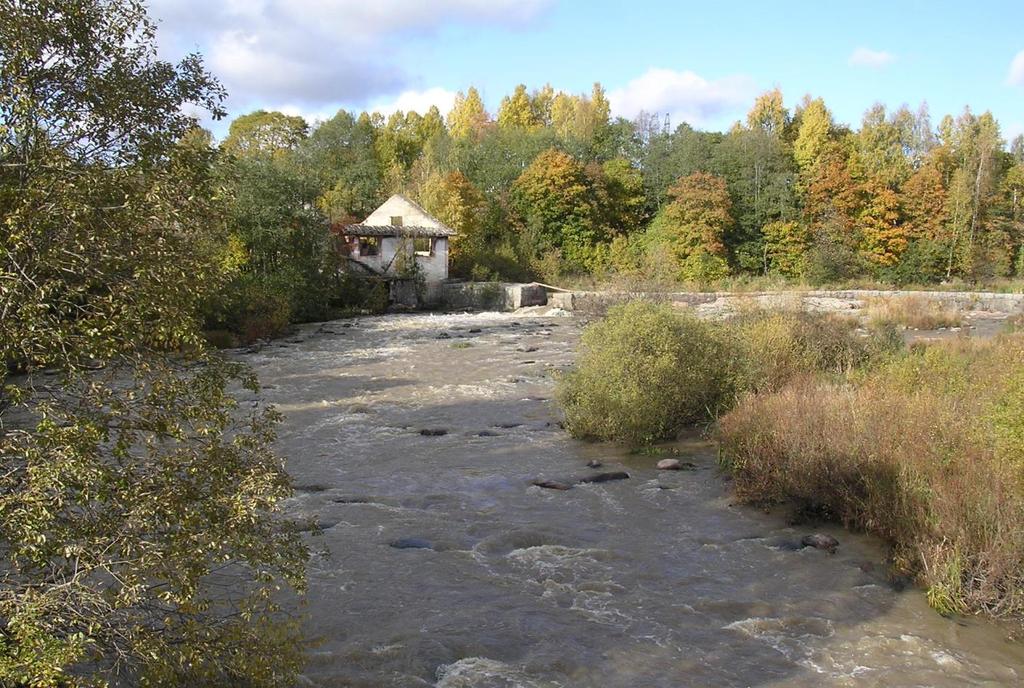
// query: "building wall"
[[411, 215], [434, 268]]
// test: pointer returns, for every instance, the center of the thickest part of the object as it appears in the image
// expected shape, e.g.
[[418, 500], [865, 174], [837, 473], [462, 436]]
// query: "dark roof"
[[394, 230]]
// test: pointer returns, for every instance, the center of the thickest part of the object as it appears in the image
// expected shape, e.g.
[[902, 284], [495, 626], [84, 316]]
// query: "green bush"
[[644, 373]]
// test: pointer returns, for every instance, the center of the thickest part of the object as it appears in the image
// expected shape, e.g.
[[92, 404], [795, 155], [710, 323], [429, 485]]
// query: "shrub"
[[913, 311], [925, 451], [645, 372], [780, 346]]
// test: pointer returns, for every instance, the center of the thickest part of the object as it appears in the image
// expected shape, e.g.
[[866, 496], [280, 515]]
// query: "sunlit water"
[[653, 581]]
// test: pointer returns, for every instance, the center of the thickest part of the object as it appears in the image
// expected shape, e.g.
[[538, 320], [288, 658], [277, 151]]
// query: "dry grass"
[[926, 451], [913, 311]]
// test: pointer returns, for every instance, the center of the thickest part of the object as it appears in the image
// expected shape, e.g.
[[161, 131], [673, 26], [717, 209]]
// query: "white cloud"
[[311, 53], [1015, 77], [684, 96], [417, 101], [873, 59]]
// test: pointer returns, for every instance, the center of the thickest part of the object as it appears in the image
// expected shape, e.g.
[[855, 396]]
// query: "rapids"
[[655, 581]]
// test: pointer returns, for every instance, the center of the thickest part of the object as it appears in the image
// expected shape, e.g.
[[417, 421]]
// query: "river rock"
[[669, 465], [820, 541], [551, 484], [606, 477], [411, 543], [433, 432], [594, 463], [444, 335]]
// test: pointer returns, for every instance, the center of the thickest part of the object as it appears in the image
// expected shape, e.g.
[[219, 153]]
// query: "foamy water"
[[657, 581]]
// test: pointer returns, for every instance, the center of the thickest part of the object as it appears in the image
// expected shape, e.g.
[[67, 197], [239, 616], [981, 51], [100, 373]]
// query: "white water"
[[656, 581]]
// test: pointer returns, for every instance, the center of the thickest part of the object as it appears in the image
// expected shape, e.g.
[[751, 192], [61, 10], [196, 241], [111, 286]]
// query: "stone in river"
[[820, 541], [551, 484], [411, 543], [606, 477], [669, 465], [433, 432], [594, 463]]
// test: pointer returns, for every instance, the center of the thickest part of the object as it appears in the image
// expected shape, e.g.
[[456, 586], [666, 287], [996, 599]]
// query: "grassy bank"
[[923, 447], [926, 451]]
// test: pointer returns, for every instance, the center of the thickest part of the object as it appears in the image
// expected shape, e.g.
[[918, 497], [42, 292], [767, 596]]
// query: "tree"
[[786, 246], [623, 209], [556, 201], [454, 200], [339, 158], [883, 143], [517, 111], [769, 114], [468, 116], [923, 204], [883, 238], [132, 487], [693, 226], [813, 134], [265, 133]]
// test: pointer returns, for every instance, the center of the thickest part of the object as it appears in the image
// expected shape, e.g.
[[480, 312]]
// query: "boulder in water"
[[433, 432], [669, 465], [605, 477], [551, 484], [594, 463], [820, 541], [411, 543]]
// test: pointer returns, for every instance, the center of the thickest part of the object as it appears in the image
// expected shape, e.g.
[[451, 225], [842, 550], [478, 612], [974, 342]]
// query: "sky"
[[698, 62]]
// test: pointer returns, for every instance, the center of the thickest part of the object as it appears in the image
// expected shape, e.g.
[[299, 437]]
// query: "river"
[[655, 581]]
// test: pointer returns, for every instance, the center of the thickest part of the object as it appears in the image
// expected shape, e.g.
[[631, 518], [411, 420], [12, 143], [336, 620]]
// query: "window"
[[369, 246], [396, 220], [423, 246]]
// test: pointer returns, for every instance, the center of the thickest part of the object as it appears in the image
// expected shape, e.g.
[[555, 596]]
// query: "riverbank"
[[656, 580]]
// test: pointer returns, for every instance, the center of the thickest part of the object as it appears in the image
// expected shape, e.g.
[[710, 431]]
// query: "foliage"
[[693, 226], [456, 202], [923, 451], [895, 200], [263, 133], [786, 245], [556, 200], [134, 490], [645, 372]]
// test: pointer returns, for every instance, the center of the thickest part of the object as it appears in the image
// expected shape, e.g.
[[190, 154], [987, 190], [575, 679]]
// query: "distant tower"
[[668, 124]]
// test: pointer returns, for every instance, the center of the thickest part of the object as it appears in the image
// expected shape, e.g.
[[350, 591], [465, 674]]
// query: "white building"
[[397, 232]]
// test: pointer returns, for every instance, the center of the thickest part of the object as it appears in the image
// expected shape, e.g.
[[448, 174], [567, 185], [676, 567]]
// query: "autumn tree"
[[134, 489], [454, 200], [517, 110], [468, 116], [555, 199], [786, 247], [883, 238], [922, 203], [623, 207], [693, 226], [264, 133], [769, 114], [813, 135]]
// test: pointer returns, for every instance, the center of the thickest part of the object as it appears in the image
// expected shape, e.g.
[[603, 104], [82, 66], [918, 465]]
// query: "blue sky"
[[696, 61]]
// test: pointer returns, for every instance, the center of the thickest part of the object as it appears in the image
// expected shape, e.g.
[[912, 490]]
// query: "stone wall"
[[506, 296]]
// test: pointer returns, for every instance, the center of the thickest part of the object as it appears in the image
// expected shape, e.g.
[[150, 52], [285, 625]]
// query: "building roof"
[[396, 230]]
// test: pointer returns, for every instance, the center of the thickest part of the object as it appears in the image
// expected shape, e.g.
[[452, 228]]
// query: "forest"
[[552, 187]]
